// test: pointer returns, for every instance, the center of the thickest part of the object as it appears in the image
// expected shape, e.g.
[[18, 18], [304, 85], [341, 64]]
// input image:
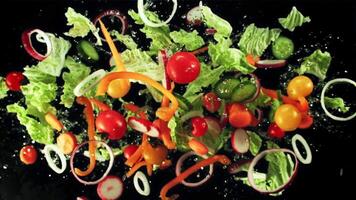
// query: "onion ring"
[[322, 97], [258, 89], [40, 37], [141, 12], [51, 163], [114, 13], [111, 163], [99, 74], [146, 187], [299, 138], [179, 167]]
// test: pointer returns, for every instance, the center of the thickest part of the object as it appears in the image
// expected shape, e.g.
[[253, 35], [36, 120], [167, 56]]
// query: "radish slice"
[[146, 187], [52, 162], [213, 125], [303, 160], [240, 141], [195, 16], [139, 124], [141, 12], [322, 97], [110, 188], [82, 198], [162, 60], [40, 37], [251, 171], [238, 166], [89, 82], [270, 63], [154, 131], [179, 169], [111, 163]]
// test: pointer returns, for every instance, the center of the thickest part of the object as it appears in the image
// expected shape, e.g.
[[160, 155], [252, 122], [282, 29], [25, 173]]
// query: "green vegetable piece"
[[243, 92], [293, 20], [87, 51], [282, 48], [191, 40], [336, 103], [317, 64], [3, 88], [255, 142], [225, 87]]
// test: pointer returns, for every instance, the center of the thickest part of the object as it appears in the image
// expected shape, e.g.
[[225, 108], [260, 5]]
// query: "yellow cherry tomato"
[[287, 117], [118, 88], [154, 155], [300, 86]]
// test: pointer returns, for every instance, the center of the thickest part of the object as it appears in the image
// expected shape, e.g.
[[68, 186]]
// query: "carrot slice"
[[134, 157], [198, 147], [52, 120], [252, 59]]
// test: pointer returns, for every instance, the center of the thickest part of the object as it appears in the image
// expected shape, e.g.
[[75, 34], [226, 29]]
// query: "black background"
[[333, 28]]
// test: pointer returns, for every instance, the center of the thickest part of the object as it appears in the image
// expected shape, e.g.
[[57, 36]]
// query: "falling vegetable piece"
[[28, 155], [41, 37], [198, 147], [13, 80], [52, 163], [99, 104], [146, 187], [66, 142], [111, 123], [52, 120], [135, 168], [308, 158], [287, 117], [111, 187]]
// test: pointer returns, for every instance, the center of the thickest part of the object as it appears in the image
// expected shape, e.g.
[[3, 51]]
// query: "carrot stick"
[[135, 157], [101, 106], [135, 168], [149, 168]]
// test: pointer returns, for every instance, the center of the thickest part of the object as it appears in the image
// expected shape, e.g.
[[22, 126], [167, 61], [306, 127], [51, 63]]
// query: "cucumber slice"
[[282, 48], [243, 92], [183, 102], [225, 87], [87, 51]]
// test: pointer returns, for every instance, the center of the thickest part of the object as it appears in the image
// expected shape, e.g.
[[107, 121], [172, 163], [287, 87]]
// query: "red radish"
[[213, 125], [211, 102], [13, 80], [66, 142], [110, 188], [270, 63], [240, 141], [139, 124], [200, 127], [195, 16], [239, 166], [154, 131], [129, 150], [112, 123]]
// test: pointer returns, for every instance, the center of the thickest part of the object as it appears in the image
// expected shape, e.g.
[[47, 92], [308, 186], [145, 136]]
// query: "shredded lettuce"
[[336, 103], [255, 40], [255, 142], [39, 132], [176, 135], [260, 102], [125, 39], [77, 72], [81, 26], [191, 40], [293, 20], [222, 27], [317, 64], [3, 88]]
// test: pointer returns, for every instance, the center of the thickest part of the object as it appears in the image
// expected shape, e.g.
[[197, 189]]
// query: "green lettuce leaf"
[[39, 132], [336, 103], [77, 72], [176, 134], [125, 39], [255, 142], [191, 40], [3, 88], [81, 25], [317, 64], [261, 101], [222, 27], [293, 20], [255, 40]]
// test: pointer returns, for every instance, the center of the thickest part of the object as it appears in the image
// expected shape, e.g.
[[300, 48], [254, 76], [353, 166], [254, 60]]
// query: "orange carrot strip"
[[135, 157], [135, 168], [101, 105], [52, 120], [149, 168]]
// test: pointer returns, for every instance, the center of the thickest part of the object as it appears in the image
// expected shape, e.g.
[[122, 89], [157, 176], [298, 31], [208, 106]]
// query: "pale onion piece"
[[111, 163], [146, 187], [258, 157], [98, 75], [141, 12], [322, 97], [51, 162], [303, 160], [179, 168]]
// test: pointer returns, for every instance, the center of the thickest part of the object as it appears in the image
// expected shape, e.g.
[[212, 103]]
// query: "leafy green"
[[77, 72], [293, 20], [336, 103], [222, 27], [3, 88], [317, 64], [191, 40], [261, 101], [125, 39], [255, 142], [39, 132], [255, 40], [274, 106], [81, 25], [177, 134]]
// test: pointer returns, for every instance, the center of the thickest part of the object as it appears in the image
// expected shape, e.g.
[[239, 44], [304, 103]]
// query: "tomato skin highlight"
[[211, 102], [129, 150], [287, 117], [300, 86], [183, 67], [274, 131], [200, 127], [28, 155], [112, 123], [13, 80]]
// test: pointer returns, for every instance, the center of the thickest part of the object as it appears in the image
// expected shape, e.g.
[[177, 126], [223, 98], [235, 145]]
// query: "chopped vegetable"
[[87, 51], [293, 20], [66, 142], [13, 81], [317, 64], [282, 48], [191, 40], [52, 120], [255, 142], [28, 155], [336, 103], [183, 67], [111, 187], [3, 88]]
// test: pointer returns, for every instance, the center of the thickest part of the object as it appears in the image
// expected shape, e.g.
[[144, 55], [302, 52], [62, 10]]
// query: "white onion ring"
[[179, 167], [111, 163], [141, 12], [146, 187], [328, 84], [51, 163], [259, 157], [40, 37], [299, 138], [99, 74]]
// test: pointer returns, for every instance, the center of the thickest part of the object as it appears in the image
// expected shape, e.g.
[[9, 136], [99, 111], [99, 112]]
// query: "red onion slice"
[[258, 158], [111, 163], [40, 37], [113, 13], [258, 89], [179, 167], [210, 31], [271, 63]]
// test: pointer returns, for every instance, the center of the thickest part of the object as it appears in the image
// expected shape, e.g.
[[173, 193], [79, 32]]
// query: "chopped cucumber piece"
[[87, 51], [225, 87], [282, 48]]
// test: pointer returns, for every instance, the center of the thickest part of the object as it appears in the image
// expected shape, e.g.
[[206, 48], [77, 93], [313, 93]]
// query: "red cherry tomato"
[[211, 102], [183, 67], [28, 155], [274, 131], [200, 127], [13, 80], [129, 150], [112, 123]]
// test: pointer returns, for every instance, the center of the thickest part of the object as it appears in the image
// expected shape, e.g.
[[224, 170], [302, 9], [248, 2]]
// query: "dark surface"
[[333, 28]]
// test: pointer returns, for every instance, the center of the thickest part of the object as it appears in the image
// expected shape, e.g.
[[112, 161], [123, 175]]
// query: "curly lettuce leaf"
[[317, 64], [293, 20], [177, 137], [255, 40], [191, 40], [81, 25], [255, 142], [77, 72], [336, 103], [222, 27], [3, 88], [125, 39], [39, 132]]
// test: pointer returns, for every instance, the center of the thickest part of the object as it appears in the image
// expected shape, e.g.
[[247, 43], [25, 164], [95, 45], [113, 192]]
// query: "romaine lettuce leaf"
[[222, 27], [125, 39], [191, 40], [3, 88], [293, 20], [255, 40], [255, 142], [336, 103], [317, 64]]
